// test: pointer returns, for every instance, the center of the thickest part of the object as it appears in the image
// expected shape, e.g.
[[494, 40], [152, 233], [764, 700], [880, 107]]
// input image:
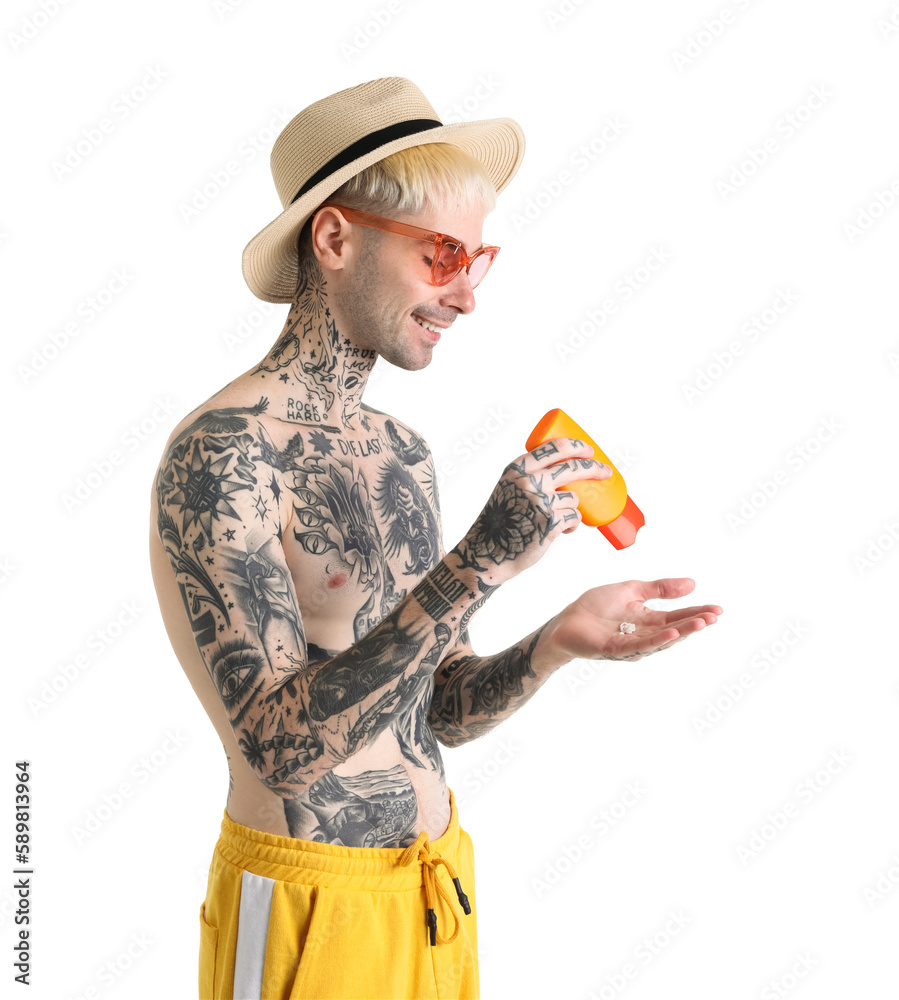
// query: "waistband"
[[308, 862]]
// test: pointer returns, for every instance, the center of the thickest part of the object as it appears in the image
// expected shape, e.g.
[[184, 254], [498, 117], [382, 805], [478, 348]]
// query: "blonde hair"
[[413, 180]]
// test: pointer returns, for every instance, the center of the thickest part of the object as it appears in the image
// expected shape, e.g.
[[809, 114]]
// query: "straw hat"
[[338, 136]]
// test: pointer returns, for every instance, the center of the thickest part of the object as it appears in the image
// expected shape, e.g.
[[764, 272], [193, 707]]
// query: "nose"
[[458, 293]]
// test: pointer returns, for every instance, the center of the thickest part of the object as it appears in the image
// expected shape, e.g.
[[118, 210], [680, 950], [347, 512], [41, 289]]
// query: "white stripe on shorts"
[[252, 934]]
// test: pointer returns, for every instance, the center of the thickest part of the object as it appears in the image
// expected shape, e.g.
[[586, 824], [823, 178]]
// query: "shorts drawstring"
[[429, 861]]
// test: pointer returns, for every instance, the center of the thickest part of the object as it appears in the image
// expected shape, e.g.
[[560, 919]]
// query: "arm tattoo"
[[438, 592], [503, 529], [486, 590], [474, 694]]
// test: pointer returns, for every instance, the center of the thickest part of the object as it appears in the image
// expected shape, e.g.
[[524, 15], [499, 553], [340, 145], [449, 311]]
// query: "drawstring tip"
[[463, 899], [432, 925]]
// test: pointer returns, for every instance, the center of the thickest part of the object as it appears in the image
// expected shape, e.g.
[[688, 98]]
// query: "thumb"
[[666, 588]]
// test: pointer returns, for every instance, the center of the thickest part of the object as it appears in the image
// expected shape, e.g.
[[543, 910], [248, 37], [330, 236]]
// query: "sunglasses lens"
[[479, 267], [448, 263]]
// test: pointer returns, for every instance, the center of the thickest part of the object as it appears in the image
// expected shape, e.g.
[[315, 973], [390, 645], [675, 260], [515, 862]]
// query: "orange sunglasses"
[[449, 254]]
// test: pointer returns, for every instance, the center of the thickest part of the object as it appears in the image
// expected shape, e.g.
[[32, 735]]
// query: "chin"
[[410, 362], [416, 366]]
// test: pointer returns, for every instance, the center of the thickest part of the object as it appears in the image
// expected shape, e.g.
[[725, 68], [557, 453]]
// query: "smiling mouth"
[[427, 324]]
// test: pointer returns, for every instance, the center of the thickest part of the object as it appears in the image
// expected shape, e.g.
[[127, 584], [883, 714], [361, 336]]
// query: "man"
[[297, 554]]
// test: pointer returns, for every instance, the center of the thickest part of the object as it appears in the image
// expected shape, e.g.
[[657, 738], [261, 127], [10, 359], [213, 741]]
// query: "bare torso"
[[382, 512]]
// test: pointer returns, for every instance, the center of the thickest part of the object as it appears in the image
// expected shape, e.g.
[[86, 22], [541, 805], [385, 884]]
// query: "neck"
[[314, 373]]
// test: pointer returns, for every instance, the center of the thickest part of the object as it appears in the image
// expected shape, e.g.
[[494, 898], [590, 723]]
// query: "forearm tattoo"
[[474, 694], [438, 592], [486, 590]]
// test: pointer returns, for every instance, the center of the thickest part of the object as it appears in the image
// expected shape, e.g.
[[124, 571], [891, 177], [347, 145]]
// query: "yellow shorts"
[[289, 919]]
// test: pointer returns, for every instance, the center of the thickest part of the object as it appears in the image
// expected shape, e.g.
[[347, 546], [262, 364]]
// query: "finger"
[[571, 518], [561, 474], [695, 622], [650, 640], [564, 498], [648, 643], [677, 633], [567, 504], [679, 614], [665, 589], [667, 645], [682, 623], [554, 450]]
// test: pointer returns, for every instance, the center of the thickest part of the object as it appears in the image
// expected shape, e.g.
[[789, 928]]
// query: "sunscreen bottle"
[[603, 503]]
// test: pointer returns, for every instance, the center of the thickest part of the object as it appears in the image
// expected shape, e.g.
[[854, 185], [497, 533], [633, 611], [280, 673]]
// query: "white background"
[[772, 484]]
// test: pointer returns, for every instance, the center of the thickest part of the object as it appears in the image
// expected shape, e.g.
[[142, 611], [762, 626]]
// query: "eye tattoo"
[[235, 670]]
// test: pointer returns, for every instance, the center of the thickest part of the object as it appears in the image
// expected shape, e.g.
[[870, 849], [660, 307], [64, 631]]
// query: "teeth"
[[427, 325]]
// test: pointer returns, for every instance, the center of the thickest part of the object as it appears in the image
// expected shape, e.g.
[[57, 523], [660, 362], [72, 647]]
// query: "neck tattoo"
[[325, 371]]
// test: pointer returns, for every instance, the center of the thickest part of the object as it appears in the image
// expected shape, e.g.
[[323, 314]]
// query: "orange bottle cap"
[[623, 530]]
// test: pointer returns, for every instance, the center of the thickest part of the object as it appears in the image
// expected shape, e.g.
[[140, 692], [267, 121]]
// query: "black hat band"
[[367, 144]]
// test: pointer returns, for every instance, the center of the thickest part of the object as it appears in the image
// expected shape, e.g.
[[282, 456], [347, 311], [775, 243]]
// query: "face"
[[386, 285]]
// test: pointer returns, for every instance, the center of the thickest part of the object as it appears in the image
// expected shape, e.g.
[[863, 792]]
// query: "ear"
[[330, 239]]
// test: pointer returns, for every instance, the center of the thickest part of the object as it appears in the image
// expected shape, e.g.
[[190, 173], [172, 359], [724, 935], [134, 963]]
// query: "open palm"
[[589, 626]]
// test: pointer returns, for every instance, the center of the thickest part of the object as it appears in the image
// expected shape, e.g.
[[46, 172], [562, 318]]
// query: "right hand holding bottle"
[[525, 513]]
